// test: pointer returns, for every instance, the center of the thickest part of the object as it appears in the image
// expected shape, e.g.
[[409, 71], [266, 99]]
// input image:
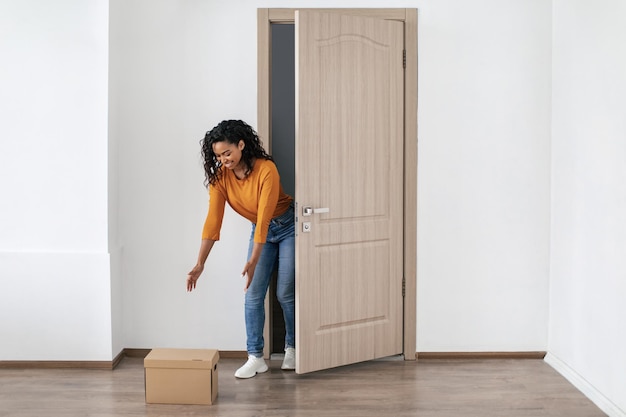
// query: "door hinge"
[[404, 58], [296, 217], [403, 286]]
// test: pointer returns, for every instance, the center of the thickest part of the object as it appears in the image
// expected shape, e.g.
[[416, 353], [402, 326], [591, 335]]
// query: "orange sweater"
[[258, 198]]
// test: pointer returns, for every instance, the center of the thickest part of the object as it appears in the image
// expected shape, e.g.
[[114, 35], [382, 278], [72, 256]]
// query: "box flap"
[[181, 358]]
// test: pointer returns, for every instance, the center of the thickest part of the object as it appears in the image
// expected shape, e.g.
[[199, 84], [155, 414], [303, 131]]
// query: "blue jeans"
[[278, 251]]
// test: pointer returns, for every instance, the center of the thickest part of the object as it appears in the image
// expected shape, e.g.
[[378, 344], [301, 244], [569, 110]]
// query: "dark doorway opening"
[[283, 130]]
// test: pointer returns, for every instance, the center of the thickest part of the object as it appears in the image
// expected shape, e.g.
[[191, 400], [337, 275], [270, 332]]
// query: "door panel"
[[349, 159]]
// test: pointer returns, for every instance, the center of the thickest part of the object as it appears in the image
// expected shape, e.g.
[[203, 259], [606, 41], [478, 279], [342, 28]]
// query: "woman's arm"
[[270, 190], [210, 233]]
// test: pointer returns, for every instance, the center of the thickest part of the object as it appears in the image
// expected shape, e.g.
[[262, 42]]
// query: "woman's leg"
[[255, 298], [286, 287]]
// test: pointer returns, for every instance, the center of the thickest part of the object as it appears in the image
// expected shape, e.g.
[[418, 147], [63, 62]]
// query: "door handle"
[[307, 211]]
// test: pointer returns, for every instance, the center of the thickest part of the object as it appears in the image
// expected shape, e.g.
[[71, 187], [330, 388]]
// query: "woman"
[[240, 172]]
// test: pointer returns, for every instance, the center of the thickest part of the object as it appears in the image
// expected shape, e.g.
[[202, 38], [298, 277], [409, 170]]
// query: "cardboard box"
[[181, 376]]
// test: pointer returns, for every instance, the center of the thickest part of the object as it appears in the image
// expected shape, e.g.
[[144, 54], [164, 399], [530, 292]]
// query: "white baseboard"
[[584, 386]]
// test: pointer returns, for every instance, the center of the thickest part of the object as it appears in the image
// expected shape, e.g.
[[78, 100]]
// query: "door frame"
[[267, 16]]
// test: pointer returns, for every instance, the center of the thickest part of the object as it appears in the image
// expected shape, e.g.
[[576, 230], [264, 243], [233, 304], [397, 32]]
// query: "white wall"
[[178, 68], [483, 175], [54, 266], [588, 262]]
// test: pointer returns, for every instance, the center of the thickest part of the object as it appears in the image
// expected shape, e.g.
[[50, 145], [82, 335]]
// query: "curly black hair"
[[231, 131]]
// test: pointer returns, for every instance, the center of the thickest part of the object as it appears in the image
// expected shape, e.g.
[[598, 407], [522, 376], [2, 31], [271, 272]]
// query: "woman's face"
[[228, 154]]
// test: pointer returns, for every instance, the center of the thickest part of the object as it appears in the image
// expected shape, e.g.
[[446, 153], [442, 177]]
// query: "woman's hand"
[[248, 269], [193, 276], [248, 272]]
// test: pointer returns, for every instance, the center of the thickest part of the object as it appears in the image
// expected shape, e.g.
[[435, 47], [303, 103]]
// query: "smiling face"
[[229, 154]]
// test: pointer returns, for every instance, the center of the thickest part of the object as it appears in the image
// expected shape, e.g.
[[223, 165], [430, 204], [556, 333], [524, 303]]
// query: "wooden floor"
[[427, 388]]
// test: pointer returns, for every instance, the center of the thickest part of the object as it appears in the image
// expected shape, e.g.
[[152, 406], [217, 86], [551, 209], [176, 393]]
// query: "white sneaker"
[[252, 367], [289, 362]]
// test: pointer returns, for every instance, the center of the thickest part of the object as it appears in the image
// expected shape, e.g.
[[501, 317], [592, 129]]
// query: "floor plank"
[[426, 388]]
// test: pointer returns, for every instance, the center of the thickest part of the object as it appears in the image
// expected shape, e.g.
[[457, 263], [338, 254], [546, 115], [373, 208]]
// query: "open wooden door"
[[349, 189]]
